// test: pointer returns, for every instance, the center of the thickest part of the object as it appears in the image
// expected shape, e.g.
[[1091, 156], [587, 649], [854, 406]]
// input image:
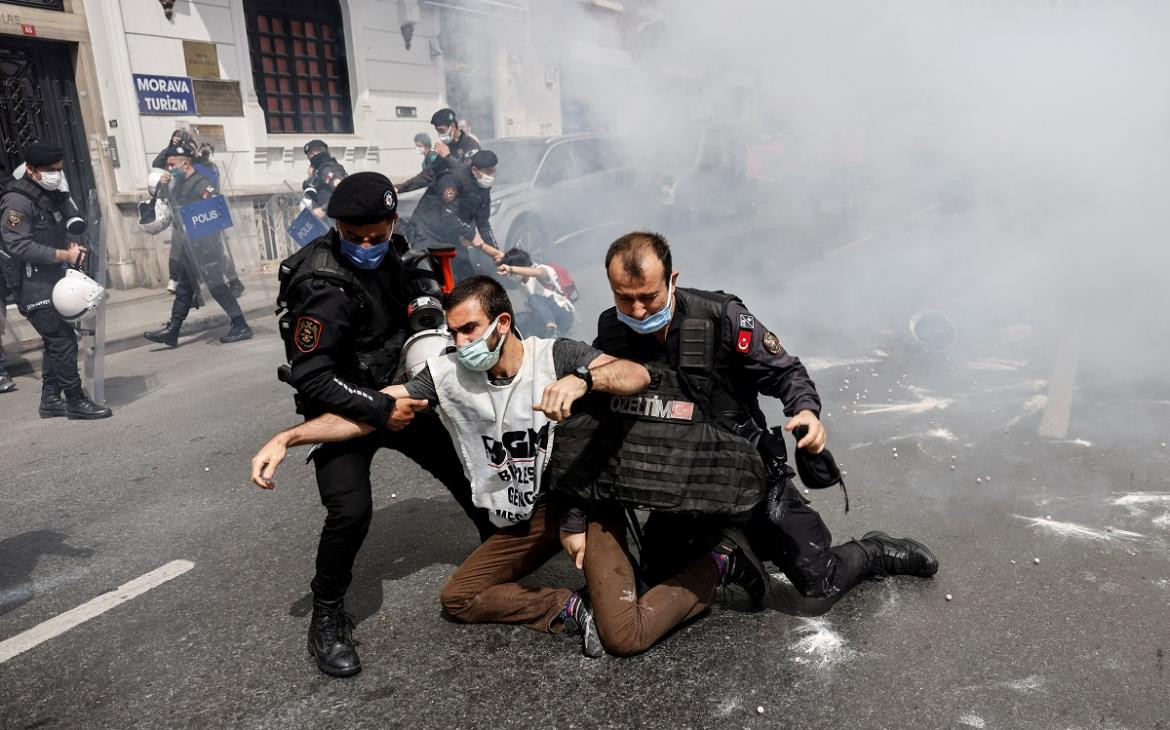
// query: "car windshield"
[[518, 159]]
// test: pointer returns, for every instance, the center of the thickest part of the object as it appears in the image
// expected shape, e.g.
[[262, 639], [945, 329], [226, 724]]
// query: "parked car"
[[550, 189]]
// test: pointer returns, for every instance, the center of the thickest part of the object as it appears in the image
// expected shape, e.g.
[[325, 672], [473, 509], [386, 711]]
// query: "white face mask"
[[445, 138], [421, 150], [485, 181], [51, 179]]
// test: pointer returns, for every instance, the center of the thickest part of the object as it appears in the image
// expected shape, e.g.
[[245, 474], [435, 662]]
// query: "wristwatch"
[[584, 373]]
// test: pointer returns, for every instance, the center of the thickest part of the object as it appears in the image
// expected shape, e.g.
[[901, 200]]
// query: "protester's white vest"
[[502, 441]]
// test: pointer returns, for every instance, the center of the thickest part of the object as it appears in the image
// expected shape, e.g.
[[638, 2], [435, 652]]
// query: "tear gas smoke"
[[999, 162]]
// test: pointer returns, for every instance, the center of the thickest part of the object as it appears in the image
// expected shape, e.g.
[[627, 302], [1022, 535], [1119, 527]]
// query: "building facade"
[[256, 79]]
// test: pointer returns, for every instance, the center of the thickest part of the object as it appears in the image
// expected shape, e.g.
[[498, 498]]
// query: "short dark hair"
[[517, 257], [488, 291], [630, 248]]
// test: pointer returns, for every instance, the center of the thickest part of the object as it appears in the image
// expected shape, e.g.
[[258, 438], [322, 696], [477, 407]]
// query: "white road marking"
[[96, 607], [1054, 422]]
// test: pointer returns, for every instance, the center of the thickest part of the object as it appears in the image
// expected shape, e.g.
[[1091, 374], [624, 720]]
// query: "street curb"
[[28, 362]]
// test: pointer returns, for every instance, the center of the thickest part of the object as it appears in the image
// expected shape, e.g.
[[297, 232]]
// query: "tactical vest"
[[685, 444], [381, 329], [49, 219]]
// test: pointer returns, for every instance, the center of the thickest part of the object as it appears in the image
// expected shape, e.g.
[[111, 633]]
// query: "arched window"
[[298, 63]]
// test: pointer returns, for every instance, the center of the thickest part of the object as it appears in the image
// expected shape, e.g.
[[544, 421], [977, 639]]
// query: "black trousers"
[[343, 478], [59, 367], [185, 289], [787, 531], [783, 530]]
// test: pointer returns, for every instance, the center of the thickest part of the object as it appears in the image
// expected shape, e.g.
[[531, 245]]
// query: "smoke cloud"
[[1001, 162]]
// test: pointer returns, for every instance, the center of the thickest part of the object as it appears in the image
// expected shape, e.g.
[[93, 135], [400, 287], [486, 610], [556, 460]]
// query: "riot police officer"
[[36, 221], [346, 296], [456, 210], [714, 336], [325, 174], [193, 260], [453, 148]]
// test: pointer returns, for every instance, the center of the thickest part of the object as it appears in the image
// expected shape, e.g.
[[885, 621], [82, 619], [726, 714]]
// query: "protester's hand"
[[266, 460], [319, 212], [574, 544], [403, 413], [557, 401], [477, 242], [814, 441], [504, 270], [441, 149]]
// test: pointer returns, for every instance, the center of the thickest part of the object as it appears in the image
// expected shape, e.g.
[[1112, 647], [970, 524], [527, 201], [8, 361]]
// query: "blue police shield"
[[205, 217], [307, 228]]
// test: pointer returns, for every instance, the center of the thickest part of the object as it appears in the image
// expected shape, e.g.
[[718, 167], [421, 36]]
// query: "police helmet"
[[76, 295], [154, 219], [153, 180]]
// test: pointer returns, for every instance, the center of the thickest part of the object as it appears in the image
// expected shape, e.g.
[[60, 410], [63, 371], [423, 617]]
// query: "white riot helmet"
[[76, 295], [154, 217], [153, 179]]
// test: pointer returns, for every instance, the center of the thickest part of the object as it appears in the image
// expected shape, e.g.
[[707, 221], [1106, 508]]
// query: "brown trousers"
[[628, 623], [484, 589]]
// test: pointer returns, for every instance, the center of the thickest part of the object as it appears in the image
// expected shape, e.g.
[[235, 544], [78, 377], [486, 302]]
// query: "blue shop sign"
[[307, 228], [162, 95], [205, 217]]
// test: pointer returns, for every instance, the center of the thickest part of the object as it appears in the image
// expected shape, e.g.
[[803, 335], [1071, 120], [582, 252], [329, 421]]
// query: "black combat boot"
[[743, 567], [52, 405], [6, 383], [78, 406], [897, 556], [239, 331], [168, 335], [331, 639]]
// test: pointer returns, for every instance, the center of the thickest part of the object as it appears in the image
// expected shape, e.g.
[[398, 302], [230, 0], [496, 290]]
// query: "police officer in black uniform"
[[194, 260], [34, 219], [325, 174], [453, 148], [456, 210], [647, 326], [346, 295]]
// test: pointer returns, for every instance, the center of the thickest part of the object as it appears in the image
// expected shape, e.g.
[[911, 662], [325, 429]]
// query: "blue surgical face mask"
[[177, 173], [476, 355], [654, 322], [365, 258]]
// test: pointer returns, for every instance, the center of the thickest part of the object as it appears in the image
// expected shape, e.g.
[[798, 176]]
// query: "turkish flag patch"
[[680, 410], [308, 333], [743, 343]]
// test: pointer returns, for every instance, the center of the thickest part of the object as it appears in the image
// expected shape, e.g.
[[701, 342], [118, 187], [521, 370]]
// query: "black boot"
[[239, 331], [743, 568], [331, 639], [897, 556], [6, 383], [79, 406], [168, 335], [52, 405]]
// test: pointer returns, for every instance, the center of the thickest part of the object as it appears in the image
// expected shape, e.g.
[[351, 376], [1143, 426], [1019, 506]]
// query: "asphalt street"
[[1049, 610]]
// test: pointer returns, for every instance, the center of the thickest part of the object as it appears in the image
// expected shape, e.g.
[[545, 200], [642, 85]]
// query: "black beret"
[[443, 116], [39, 154], [179, 150], [314, 143], [363, 197], [484, 158]]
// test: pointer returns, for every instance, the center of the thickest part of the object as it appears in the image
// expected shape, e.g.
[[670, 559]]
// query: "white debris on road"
[[819, 643], [1071, 529], [972, 721]]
